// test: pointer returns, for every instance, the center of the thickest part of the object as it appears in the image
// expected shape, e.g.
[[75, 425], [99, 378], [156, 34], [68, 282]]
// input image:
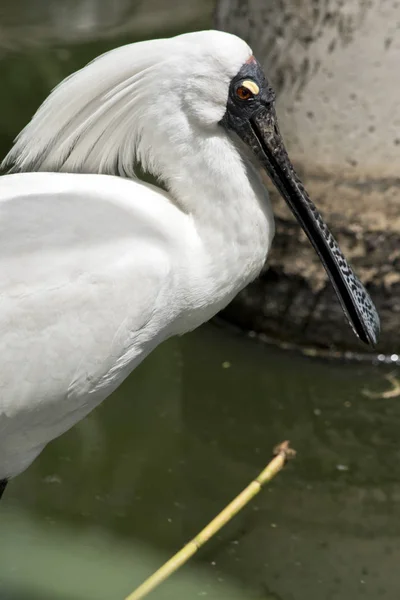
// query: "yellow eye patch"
[[252, 86]]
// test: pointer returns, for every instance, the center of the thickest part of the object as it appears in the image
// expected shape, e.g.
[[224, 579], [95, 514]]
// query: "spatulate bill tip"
[[367, 325]]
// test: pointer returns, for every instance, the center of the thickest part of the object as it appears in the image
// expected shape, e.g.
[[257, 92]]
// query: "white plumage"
[[131, 105], [95, 269]]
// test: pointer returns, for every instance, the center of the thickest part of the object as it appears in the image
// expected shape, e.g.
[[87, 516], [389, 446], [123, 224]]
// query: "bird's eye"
[[247, 90], [243, 93]]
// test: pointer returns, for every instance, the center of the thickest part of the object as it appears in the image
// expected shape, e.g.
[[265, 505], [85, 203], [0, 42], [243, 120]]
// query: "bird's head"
[[137, 102]]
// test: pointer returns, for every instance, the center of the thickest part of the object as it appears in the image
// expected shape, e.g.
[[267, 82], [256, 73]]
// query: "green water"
[[109, 501]]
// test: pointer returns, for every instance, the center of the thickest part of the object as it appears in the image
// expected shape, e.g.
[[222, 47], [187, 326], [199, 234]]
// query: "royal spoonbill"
[[98, 267]]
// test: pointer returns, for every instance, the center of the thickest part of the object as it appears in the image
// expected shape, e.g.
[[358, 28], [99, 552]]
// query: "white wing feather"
[[85, 294]]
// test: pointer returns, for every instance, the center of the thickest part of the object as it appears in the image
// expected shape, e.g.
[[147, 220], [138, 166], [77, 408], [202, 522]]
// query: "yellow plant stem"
[[282, 454]]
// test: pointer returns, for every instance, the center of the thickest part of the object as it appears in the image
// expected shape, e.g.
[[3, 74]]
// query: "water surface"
[[109, 501]]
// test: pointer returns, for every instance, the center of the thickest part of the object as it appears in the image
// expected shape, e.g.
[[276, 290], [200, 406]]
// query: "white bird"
[[96, 267]]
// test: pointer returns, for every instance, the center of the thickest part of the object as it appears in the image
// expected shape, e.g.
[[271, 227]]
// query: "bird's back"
[[86, 292]]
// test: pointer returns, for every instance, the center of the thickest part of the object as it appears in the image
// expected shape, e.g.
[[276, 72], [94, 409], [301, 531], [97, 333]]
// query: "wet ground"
[[109, 501]]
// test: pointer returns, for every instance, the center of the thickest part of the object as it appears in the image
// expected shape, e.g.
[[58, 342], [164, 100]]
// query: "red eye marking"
[[250, 60]]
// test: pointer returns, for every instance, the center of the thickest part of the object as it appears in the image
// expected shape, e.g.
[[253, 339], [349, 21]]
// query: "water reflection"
[[186, 432], [26, 23], [109, 501], [61, 563]]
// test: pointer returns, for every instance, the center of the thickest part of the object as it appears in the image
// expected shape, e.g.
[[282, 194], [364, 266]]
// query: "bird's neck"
[[229, 204]]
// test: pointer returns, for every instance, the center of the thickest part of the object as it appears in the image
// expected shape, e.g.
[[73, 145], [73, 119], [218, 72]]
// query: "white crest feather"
[[115, 112]]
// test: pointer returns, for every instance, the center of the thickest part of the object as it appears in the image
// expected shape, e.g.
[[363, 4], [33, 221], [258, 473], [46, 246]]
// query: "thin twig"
[[283, 453], [393, 393]]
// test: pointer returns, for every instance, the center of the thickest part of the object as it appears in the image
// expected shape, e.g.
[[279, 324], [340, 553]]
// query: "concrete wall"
[[336, 67]]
